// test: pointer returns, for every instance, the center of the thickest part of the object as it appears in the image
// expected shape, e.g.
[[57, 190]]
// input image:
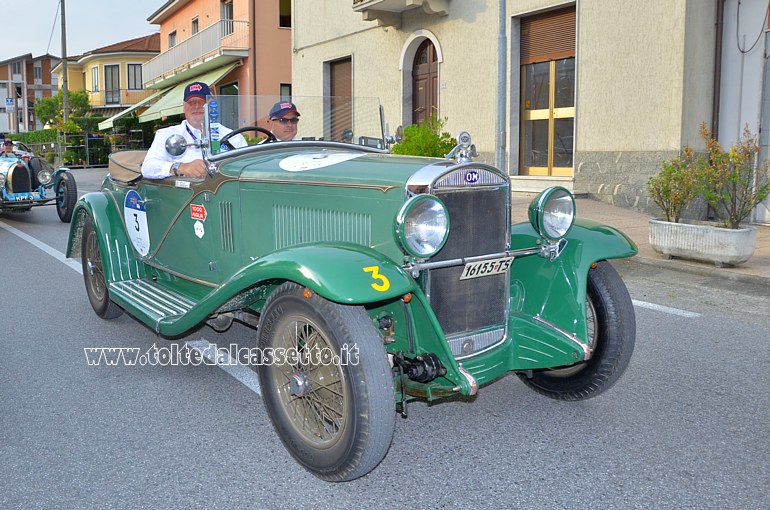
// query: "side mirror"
[[176, 145]]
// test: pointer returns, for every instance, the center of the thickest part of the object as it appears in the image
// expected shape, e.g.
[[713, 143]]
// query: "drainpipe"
[[717, 69], [253, 49], [502, 43]]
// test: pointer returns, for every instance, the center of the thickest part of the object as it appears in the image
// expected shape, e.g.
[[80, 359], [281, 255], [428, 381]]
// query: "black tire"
[[336, 420], [93, 274], [66, 196], [612, 330]]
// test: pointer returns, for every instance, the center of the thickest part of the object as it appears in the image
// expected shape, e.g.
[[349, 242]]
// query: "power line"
[[53, 27]]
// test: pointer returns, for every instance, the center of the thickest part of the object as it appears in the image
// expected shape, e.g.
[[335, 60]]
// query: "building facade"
[[112, 75], [24, 79], [238, 47], [590, 95]]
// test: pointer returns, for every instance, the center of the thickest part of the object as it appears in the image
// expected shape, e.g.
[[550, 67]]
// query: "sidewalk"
[[635, 225]]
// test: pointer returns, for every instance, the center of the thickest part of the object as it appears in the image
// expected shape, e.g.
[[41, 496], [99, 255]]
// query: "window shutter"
[[548, 36]]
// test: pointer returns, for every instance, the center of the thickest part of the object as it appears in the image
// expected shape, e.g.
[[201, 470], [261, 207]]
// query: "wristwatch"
[[175, 168]]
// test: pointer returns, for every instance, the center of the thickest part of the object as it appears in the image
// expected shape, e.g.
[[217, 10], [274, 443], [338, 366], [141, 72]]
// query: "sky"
[[91, 24]]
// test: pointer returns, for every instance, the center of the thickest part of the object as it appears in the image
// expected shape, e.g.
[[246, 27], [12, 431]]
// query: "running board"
[[149, 301]]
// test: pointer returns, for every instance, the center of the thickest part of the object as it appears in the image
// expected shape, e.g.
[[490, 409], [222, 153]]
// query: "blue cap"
[[281, 108], [196, 89]]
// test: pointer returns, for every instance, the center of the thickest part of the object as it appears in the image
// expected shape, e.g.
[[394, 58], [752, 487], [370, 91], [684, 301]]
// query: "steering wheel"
[[224, 141]]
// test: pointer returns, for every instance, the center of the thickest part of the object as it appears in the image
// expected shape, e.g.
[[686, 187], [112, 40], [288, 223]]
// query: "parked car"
[[372, 279], [28, 182]]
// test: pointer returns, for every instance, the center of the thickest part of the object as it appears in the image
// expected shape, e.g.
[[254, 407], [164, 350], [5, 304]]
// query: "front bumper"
[[25, 200]]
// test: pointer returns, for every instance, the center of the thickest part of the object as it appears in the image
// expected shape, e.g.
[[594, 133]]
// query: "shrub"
[[732, 182], [426, 139], [675, 186]]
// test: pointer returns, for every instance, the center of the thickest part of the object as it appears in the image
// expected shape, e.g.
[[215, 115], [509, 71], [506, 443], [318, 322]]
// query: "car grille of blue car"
[[475, 309], [18, 180]]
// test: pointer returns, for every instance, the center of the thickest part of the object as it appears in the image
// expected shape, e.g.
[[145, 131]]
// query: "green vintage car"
[[371, 279]]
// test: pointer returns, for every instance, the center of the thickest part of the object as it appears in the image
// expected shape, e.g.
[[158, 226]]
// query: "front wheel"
[[612, 334], [66, 196], [335, 416], [93, 274]]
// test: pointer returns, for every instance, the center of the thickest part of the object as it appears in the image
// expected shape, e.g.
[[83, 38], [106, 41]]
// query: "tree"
[[48, 109]]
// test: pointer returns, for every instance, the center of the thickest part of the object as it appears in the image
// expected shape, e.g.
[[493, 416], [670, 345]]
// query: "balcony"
[[224, 42], [388, 12], [117, 97]]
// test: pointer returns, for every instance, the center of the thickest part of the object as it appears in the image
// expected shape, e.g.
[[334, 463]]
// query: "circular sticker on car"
[[136, 222], [303, 162]]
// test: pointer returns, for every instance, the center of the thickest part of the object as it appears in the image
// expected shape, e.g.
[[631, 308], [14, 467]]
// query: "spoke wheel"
[[336, 419], [612, 334], [93, 274]]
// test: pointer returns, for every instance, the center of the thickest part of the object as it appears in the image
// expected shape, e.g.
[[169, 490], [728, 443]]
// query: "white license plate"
[[486, 267]]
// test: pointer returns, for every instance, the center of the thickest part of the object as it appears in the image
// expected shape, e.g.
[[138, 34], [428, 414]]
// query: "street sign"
[[9, 102]]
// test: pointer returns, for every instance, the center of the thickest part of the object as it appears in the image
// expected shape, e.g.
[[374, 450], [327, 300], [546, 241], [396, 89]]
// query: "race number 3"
[[136, 222], [384, 282]]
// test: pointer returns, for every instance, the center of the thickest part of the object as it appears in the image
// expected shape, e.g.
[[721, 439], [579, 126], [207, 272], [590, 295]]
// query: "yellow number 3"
[[385, 283]]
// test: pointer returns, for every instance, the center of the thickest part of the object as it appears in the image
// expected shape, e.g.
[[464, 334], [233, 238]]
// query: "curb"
[[685, 267]]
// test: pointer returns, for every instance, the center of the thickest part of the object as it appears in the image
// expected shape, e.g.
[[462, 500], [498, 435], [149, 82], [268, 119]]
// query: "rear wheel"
[[93, 274], [336, 419], [66, 196], [612, 335]]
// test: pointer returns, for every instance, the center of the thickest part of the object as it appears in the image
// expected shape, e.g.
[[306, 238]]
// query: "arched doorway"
[[424, 82]]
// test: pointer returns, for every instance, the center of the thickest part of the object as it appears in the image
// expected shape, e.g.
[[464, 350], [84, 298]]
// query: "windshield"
[[338, 119]]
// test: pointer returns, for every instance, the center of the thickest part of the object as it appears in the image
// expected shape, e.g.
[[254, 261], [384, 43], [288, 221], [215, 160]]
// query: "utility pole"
[[65, 91]]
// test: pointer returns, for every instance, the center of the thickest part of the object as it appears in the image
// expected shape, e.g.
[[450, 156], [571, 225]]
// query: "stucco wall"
[[643, 88]]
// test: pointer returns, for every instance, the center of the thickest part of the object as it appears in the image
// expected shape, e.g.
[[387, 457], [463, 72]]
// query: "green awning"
[[171, 103], [107, 124]]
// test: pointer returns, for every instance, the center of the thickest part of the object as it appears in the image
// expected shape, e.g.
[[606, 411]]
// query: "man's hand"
[[195, 169]]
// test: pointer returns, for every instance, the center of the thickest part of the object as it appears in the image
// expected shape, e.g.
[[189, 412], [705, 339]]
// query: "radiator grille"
[[479, 226], [18, 177]]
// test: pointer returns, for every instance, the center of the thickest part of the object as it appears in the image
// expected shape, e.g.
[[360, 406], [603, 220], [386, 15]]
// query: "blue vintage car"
[[27, 182]]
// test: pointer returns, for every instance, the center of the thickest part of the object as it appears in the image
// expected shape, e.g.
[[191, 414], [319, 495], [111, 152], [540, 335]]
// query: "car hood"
[[332, 166]]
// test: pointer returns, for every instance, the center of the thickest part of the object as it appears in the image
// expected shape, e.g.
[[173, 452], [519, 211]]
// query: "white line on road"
[[41, 245], [666, 309], [240, 372]]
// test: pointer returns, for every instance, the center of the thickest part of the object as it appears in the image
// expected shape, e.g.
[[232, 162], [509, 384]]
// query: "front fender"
[[343, 273], [556, 290]]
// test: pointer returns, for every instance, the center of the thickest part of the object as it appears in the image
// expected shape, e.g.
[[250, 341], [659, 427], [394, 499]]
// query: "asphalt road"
[[686, 427]]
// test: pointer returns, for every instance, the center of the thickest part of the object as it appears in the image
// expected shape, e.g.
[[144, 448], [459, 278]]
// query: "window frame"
[[95, 79], [129, 81]]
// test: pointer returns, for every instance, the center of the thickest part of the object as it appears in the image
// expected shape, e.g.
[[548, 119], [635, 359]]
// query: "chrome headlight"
[[44, 177], [552, 213], [422, 226]]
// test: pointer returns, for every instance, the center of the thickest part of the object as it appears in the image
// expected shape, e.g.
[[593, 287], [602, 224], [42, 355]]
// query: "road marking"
[[666, 309], [240, 372], [41, 245]]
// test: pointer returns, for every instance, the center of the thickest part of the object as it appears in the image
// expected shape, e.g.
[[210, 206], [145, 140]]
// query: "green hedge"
[[40, 136]]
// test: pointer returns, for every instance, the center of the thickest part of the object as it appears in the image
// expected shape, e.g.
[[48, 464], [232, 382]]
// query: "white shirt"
[[157, 163]]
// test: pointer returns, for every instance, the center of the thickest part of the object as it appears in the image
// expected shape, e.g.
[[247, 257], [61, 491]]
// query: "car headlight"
[[44, 177], [422, 226], [552, 213]]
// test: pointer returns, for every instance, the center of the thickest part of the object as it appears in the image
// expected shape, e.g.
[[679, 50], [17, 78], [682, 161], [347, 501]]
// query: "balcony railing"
[[225, 37], [118, 97]]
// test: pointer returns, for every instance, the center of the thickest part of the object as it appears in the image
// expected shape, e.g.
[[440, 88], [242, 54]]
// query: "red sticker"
[[197, 212]]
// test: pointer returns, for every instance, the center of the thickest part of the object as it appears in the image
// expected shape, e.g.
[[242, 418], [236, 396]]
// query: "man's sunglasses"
[[291, 120]]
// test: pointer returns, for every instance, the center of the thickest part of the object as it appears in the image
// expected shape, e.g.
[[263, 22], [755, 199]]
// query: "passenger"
[[159, 164], [284, 118]]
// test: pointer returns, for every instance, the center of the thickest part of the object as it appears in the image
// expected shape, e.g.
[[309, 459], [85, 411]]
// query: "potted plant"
[[731, 183]]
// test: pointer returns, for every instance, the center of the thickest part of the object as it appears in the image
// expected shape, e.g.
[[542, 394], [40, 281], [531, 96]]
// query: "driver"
[[159, 164]]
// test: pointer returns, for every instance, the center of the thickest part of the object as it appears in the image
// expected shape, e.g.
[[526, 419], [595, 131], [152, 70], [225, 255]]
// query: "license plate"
[[23, 198], [486, 268]]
